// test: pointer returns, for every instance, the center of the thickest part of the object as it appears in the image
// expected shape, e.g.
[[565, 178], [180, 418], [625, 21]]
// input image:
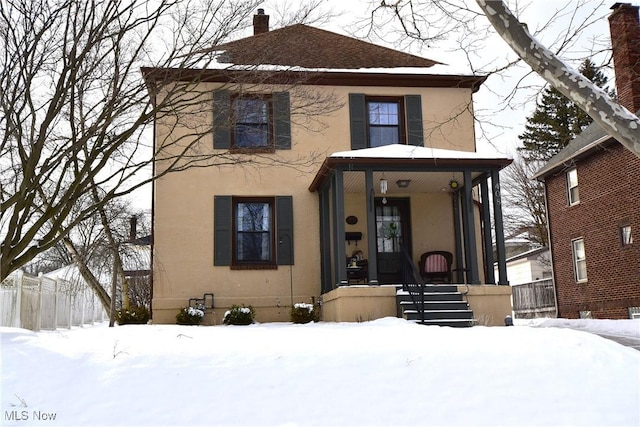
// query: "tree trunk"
[[616, 120], [88, 276], [114, 289]]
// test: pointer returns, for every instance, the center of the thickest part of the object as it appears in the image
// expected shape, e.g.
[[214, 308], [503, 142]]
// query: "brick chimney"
[[624, 26], [260, 22], [133, 229]]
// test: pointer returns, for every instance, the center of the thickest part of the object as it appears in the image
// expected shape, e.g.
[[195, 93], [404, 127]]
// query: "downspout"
[[553, 268]]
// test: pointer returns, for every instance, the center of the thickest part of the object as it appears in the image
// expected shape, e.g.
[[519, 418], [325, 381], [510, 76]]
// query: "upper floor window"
[[384, 120], [385, 124], [572, 186], [626, 238], [579, 260], [251, 122], [252, 119]]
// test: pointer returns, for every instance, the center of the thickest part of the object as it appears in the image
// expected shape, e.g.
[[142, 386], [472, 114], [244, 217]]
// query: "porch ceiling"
[[421, 182], [429, 169]]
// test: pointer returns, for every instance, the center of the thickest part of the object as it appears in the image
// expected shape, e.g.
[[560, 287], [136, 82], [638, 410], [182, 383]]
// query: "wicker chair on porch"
[[435, 266]]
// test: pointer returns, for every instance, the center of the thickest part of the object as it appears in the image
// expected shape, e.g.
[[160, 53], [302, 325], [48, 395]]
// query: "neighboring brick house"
[[390, 164], [593, 201]]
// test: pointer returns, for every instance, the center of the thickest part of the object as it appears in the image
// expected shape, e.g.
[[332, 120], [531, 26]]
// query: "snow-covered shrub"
[[190, 316], [303, 313], [132, 315], [239, 315]]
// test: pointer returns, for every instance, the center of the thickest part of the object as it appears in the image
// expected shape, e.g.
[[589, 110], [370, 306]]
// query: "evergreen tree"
[[556, 120]]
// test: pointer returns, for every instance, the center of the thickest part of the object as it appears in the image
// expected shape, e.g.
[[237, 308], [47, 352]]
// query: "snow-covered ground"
[[387, 372]]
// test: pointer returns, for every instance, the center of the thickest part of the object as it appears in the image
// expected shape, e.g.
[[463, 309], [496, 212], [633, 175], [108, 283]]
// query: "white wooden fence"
[[37, 303]]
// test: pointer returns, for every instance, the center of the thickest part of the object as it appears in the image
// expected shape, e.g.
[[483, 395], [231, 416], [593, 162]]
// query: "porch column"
[[325, 242], [372, 249], [458, 237], [340, 262], [469, 228], [497, 217], [486, 230]]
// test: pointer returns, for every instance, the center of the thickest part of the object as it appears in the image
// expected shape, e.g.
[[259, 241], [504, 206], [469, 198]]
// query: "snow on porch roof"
[[404, 151], [407, 155]]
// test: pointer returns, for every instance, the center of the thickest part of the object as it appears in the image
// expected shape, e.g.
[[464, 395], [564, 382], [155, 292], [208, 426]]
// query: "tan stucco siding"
[[183, 256], [446, 113], [432, 223], [323, 127], [183, 201]]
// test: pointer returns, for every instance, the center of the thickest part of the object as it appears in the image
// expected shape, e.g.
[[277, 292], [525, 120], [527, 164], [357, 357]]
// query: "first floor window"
[[253, 231], [579, 260]]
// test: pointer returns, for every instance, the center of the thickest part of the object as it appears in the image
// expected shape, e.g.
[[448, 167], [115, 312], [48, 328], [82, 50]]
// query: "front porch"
[[382, 208], [358, 303], [375, 201]]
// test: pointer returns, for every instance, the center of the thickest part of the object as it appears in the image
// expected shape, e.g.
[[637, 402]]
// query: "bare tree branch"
[[615, 119], [75, 109]]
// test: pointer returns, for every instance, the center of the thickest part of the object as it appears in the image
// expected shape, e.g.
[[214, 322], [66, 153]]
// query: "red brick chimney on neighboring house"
[[260, 22], [624, 26]]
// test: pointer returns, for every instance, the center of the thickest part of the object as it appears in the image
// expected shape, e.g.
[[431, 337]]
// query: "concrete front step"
[[437, 305], [438, 296], [462, 323], [440, 314], [431, 289], [443, 306]]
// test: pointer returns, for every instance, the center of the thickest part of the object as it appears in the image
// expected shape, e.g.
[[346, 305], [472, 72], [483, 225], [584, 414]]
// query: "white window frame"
[[577, 260], [573, 194], [626, 238]]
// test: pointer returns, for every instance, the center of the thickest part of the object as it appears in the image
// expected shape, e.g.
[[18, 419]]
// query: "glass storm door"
[[392, 232]]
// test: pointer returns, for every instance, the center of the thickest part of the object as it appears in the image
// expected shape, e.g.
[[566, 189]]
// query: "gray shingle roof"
[[586, 141]]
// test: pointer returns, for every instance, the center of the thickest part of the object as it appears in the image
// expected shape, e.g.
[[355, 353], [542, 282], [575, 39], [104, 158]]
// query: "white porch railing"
[[534, 299], [37, 303]]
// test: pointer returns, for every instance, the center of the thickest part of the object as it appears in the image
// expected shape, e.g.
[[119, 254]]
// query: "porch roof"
[[405, 157]]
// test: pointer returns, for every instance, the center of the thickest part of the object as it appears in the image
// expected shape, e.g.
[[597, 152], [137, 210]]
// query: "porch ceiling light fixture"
[[383, 186], [403, 183], [454, 184]]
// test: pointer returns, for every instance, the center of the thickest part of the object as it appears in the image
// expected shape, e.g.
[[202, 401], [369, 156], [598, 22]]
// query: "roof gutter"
[[546, 170]]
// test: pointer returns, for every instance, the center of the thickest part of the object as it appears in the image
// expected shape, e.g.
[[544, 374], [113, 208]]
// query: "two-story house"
[[333, 158], [593, 201]]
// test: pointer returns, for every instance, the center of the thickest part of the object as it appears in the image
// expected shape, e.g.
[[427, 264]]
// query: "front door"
[[393, 231]]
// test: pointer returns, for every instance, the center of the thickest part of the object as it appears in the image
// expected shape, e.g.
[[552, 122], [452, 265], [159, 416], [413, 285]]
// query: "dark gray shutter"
[[221, 119], [282, 120], [413, 104], [222, 230], [284, 225], [358, 120]]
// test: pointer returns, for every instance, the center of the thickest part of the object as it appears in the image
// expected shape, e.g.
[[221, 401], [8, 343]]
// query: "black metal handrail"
[[412, 282]]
